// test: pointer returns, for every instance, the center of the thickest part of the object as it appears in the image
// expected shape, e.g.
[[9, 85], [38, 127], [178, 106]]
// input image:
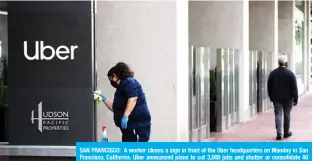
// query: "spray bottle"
[[104, 136]]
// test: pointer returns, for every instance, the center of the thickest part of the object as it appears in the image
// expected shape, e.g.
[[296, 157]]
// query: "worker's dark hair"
[[121, 70]]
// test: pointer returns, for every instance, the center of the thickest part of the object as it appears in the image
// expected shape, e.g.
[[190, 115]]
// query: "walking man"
[[283, 92]]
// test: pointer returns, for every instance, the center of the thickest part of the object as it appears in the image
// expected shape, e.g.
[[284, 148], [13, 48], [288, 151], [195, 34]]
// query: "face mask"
[[114, 84]]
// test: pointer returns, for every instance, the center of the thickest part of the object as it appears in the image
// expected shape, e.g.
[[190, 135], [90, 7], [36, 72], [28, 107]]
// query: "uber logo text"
[[50, 120], [62, 52]]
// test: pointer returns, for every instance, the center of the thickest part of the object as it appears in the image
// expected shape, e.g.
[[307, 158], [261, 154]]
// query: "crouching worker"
[[130, 109]]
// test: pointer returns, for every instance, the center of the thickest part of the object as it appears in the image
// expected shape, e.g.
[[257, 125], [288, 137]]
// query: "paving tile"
[[262, 128]]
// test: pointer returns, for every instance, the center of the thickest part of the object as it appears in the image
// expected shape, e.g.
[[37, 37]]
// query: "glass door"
[[231, 88], [227, 88], [262, 82], [269, 70], [236, 92], [3, 77], [193, 106], [253, 82], [199, 97], [222, 89], [233, 108]]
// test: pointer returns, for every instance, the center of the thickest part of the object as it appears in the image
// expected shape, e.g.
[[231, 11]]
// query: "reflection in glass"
[[264, 66], [198, 87], [199, 96], [264, 79], [202, 87], [207, 92], [193, 110], [227, 89], [231, 80], [253, 76], [4, 104], [226, 81], [254, 81], [221, 81], [250, 78], [259, 81], [236, 57], [269, 69]]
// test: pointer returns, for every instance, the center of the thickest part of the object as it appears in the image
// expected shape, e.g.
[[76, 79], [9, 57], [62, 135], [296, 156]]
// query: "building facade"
[[243, 42], [219, 81]]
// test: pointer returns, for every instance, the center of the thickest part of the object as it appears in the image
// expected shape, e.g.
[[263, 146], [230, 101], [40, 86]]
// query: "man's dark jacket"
[[282, 85]]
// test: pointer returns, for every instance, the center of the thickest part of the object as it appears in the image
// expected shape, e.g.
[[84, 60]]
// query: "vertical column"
[[286, 32], [263, 37], [292, 38], [310, 45], [182, 67], [136, 32], [262, 25], [276, 33], [244, 66], [309, 53], [209, 26], [220, 89], [306, 45]]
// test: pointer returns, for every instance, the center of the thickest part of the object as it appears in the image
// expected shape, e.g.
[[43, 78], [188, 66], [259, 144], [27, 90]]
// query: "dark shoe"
[[288, 134], [279, 137]]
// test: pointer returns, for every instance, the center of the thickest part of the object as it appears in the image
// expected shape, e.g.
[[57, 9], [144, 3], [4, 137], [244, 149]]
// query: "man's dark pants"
[[140, 134], [279, 109]]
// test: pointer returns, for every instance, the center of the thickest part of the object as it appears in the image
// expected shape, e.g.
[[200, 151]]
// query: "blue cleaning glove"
[[103, 97], [98, 96], [124, 122]]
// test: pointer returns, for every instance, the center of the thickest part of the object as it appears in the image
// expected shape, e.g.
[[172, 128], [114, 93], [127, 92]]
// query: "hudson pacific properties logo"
[[50, 120]]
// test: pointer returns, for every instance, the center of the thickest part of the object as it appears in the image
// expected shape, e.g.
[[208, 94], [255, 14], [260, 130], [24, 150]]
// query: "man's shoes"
[[279, 137], [288, 134]]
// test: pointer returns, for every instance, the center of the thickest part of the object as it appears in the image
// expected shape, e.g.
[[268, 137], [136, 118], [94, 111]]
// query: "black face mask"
[[114, 84]]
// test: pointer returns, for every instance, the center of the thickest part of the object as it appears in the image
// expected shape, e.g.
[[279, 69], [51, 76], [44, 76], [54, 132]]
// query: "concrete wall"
[[142, 34], [286, 30], [213, 27], [307, 44], [262, 26], [288, 14]]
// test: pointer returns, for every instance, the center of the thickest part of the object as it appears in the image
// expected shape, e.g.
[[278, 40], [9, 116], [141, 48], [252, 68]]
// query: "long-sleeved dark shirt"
[[282, 85], [140, 116]]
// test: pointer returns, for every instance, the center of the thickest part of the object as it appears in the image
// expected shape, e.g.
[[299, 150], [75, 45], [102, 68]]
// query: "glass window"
[[3, 77]]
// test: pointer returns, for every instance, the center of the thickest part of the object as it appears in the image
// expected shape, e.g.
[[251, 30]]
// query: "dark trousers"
[[279, 109], [140, 134]]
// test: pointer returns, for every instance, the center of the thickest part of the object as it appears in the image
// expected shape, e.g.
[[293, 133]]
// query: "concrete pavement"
[[262, 128]]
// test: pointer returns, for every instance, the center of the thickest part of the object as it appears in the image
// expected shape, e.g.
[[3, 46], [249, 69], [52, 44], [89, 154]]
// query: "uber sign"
[[50, 72], [62, 52]]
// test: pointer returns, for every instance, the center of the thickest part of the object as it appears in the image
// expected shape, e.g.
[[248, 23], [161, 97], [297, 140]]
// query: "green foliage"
[[298, 34], [213, 84], [3, 83]]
